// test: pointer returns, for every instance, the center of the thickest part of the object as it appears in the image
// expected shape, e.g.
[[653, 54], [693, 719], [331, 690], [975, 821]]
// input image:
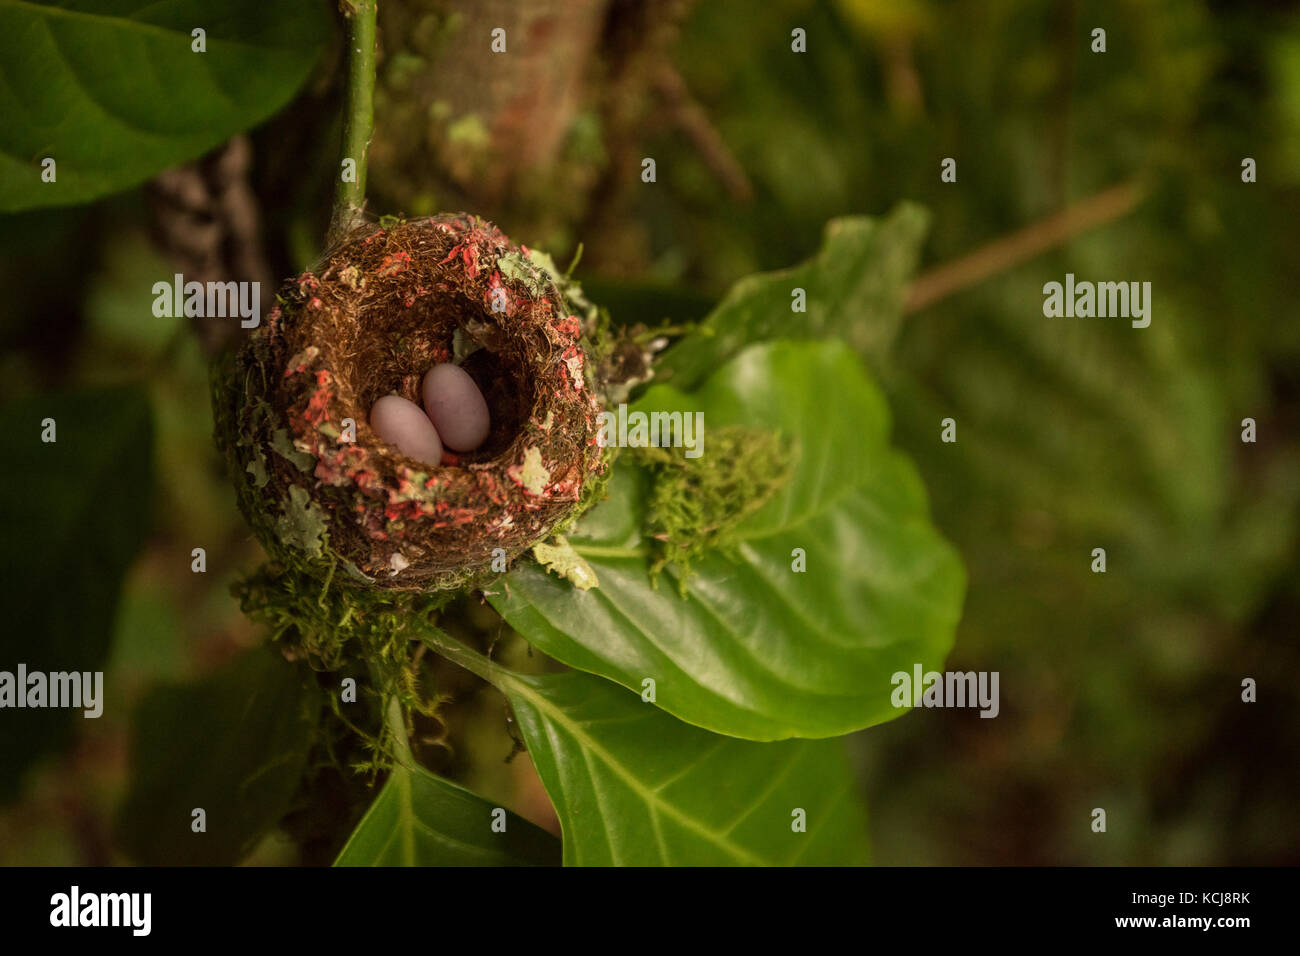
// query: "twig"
[[358, 116], [687, 113], [1022, 245]]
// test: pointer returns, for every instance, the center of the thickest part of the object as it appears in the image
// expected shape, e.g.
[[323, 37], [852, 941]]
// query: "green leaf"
[[757, 649], [234, 745], [75, 513], [635, 787], [419, 819], [854, 290], [112, 91]]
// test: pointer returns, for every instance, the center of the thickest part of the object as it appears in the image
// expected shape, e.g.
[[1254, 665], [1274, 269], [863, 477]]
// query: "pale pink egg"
[[456, 407], [404, 425]]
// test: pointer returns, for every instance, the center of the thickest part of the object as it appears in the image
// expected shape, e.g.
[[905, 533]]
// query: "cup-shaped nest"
[[324, 492]]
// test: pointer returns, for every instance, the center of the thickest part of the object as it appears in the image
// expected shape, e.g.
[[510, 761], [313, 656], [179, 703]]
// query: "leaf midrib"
[[650, 797], [406, 824]]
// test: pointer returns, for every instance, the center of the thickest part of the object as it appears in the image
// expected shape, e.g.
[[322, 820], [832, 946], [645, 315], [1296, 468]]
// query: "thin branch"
[[358, 116], [1023, 245], [691, 117]]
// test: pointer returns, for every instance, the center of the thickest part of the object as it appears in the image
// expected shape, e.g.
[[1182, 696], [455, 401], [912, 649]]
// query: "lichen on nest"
[[384, 305]]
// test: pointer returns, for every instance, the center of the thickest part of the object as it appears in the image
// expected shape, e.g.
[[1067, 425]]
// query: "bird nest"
[[324, 492]]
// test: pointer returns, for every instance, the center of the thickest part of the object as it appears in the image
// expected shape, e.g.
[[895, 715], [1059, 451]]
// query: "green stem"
[[503, 679], [440, 642], [358, 118]]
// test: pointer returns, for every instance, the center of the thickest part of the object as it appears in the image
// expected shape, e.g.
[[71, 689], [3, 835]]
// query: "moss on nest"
[[384, 306]]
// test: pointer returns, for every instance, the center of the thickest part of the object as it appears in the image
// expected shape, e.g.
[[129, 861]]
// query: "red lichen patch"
[[394, 264]]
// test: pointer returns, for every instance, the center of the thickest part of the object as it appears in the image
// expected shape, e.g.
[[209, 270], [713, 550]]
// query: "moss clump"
[[369, 634], [383, 307], [696, 505]]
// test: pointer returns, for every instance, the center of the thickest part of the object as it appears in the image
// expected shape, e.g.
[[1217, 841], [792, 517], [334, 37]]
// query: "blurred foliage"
[[233, 746], [74, 519], [67, 98], [1119, 690]]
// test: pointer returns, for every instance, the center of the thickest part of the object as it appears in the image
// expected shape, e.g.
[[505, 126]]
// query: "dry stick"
[[1020, 246]]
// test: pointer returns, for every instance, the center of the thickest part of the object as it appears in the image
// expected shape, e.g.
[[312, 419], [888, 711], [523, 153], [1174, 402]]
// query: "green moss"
[[335, 625], [696, 504]]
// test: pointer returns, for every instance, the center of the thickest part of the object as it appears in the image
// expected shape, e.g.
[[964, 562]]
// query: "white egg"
[[456, 407], [404, 425]]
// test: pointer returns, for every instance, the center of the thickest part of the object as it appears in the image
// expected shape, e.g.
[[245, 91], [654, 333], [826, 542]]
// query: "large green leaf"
[[234, 745], [75, 512], [419, 819], [112, 91], [757, 649], [854, 290], [635, 787]]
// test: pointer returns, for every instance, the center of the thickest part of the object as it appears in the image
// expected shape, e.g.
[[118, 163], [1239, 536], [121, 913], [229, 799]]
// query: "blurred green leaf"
[[68, 94], [756, 649], [75, 513], [854, 291], [234, 745], [149, 640], [419, 819], [635, 787]]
